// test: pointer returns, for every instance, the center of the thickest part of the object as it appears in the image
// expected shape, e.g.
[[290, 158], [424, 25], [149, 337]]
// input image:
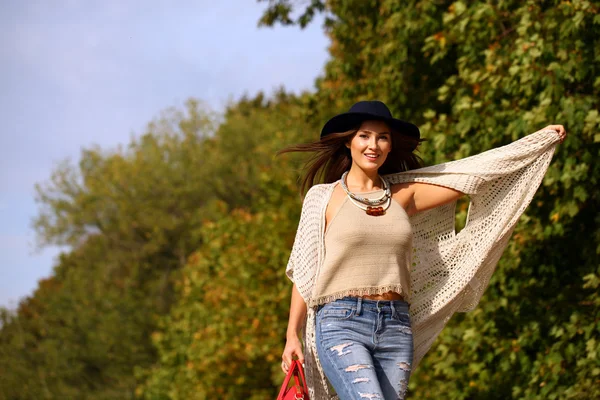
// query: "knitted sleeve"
[[467, 174], [303, 258], [452, 270]]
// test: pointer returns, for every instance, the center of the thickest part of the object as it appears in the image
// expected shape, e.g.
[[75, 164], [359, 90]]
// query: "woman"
[[353, 274]]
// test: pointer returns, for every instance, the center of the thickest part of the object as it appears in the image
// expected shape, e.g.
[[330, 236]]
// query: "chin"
[[372, 167]]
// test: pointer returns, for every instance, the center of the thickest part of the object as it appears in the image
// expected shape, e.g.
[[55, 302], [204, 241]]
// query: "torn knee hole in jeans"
[[369, 395], [356, 367], [340, 349], [359, 380], [406, 330], [404, 366]]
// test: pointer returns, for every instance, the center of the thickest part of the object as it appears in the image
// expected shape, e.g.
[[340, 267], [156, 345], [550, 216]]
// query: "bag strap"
[[301, 372], [286, 382], [301, 388]]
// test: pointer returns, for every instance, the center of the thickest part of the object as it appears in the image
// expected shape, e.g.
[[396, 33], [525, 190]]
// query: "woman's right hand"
[[293, 347]]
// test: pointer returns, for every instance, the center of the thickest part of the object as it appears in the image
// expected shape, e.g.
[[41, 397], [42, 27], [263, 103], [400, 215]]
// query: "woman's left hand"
[[560, 129]]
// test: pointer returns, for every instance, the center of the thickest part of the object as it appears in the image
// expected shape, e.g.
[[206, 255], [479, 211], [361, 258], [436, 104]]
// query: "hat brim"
[[351, 120]]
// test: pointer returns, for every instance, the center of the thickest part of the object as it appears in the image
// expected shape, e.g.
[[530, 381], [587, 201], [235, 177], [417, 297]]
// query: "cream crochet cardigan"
[[450, 270]]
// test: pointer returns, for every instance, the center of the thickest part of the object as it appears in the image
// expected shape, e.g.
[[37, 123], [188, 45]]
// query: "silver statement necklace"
[[373, 207]]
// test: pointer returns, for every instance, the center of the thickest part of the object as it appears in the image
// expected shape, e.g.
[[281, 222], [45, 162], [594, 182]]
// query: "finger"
[[555, 127], [286, 363], [560, 130], [287, 359]]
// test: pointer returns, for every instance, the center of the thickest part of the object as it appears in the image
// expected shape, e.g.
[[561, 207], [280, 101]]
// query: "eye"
[[362, 135], [384, 137]]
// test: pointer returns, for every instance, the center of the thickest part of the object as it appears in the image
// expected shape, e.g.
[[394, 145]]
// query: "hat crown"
[[374, 107]]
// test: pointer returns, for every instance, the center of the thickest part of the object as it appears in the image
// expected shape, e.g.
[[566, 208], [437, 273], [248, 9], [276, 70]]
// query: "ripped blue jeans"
[[365, 347]]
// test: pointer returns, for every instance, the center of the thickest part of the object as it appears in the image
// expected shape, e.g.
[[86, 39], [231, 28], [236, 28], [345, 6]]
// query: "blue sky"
[[78, 73]]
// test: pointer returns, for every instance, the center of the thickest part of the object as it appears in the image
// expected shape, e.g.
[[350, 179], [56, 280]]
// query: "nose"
[[373, 142]]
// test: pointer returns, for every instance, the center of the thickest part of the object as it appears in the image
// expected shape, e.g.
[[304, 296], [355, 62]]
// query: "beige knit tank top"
[[365, 254]]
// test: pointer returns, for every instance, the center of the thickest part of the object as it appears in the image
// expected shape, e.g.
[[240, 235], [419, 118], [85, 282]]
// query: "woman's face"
[[370, 146]]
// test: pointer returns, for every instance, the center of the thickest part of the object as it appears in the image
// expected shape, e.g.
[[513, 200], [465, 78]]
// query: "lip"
[[371, 158]]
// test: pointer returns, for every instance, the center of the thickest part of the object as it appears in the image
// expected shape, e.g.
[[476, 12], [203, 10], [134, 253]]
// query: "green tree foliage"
[[78, 336], [506, 68], [129, 218], [132, 218], [242, 153], [521, 66], [174, 284], [375, 53], [224, 337], [143, 201], [280, 11]]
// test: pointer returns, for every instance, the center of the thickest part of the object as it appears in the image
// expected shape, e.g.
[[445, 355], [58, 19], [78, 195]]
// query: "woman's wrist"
[[292, 334]]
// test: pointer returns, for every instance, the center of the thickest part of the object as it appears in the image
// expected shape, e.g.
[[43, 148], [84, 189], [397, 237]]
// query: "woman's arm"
[[295, 323], [424, 196], [416, 196], [297, 313]]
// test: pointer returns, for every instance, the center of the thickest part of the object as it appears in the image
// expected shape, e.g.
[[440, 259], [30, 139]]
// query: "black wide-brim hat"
[[368, 110]]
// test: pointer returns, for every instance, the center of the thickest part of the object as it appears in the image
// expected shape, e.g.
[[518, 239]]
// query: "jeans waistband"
[[375, 305]]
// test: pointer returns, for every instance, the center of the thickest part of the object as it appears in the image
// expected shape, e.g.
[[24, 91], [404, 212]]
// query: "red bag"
[[298, 391]]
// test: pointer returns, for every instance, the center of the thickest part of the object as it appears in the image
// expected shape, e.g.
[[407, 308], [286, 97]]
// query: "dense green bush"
[[174, 284]]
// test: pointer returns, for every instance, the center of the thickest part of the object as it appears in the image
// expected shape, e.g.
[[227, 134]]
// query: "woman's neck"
[[359, 180]]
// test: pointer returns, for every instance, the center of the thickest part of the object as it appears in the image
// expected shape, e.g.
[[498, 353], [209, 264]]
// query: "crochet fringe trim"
[[366, 291]]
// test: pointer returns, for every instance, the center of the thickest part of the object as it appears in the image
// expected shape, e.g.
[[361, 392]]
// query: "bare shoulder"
[[397, 187]]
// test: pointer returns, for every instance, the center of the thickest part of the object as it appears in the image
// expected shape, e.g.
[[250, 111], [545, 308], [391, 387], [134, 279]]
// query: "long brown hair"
[[331, 158]]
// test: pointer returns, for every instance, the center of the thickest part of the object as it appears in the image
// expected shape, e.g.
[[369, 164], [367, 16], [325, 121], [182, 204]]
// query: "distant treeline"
[[174, 284]]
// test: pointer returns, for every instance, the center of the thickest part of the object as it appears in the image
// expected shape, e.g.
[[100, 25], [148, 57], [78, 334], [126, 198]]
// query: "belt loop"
[[358, 305]]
